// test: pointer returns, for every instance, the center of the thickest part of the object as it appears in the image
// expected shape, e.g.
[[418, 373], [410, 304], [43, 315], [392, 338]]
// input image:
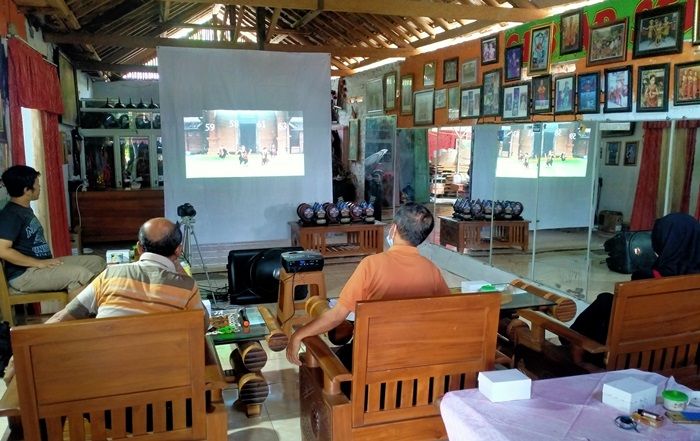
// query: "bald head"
[[160, 236]]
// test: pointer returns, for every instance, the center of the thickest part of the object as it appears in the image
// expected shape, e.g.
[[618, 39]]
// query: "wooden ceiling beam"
[[422, 23], [111, 67], [343, 69], [306, 18], [388, 32], [454, 33], [394, 27], [401, 8], [361, 29], [128, 41], [525, 4], [239, 23], [272, 29]]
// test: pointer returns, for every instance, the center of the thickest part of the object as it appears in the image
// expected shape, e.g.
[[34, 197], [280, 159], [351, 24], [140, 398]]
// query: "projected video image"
[[563, 151], [244, 143]]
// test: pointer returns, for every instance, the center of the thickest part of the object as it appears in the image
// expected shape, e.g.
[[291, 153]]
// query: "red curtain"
[[691, 139], [644, 208], [34, 84]]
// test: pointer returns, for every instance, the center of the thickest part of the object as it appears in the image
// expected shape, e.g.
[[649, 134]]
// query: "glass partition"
[[379, 140]]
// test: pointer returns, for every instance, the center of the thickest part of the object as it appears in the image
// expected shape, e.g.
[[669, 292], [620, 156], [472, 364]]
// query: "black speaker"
[[253, 275], [630, 251]]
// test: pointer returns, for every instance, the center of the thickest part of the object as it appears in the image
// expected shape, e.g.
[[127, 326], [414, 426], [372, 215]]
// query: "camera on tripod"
[[186, 210]]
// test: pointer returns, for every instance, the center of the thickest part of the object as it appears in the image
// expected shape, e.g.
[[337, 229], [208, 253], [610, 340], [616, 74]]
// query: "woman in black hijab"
[[675, 239]]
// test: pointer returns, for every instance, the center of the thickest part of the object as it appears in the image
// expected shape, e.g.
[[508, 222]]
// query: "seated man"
[[29, 265], [400, 272], [156, 283]]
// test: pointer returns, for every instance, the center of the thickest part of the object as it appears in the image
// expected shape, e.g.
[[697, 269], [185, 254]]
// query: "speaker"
[[253, 275], [630, 251]]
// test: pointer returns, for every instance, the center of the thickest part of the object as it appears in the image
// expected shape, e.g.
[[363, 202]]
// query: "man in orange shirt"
[[400, 272]]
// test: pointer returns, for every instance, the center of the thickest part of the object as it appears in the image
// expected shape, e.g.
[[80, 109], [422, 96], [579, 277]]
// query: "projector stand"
[[188, 235]]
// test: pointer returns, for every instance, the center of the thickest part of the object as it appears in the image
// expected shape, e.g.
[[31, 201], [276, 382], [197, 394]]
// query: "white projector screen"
[[254, 203]]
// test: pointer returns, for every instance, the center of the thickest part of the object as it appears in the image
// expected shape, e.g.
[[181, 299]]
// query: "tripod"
[[188, 236]]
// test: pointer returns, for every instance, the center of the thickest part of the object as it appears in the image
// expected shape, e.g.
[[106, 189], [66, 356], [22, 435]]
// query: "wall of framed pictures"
[[599, 42]]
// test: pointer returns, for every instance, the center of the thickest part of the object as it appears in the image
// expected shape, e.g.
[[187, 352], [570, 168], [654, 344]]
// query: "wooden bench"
[[140, 376], [655, 326], [10, 297], [466, 235], [406, 355]]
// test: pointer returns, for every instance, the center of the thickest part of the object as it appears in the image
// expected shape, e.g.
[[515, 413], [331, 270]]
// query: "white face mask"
[[390, 237]]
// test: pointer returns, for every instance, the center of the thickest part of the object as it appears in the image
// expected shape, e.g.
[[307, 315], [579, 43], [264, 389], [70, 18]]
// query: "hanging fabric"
[[644, 208]]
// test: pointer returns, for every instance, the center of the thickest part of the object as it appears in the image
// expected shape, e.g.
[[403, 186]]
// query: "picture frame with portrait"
[[423, 111], [450, 70], [652, 88], [491, 93], [429, 74], [659, 31], [470, 102], [469, 72], [453, 103], [489, 50], [612, 152], [540, 44], [564, 94], [571, 32], [542, 94], [375, 101], [686, 83], [516, 101], [406, 94], [618, 90], [389, 87], [588, 87], [514, 63], [440, 98], [607, 43], [631, 148]]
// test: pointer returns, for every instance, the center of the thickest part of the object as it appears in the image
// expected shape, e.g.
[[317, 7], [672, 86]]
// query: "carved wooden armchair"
[[116, 378], [406, 355], [655, 326]]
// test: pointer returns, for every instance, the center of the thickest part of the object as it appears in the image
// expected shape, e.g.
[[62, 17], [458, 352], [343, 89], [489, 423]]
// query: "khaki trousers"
[[72, 275]]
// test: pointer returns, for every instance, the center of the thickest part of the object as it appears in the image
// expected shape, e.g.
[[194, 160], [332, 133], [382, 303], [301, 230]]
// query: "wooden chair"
[[655, 326], [10, 297], [406, 355], [116, 378]]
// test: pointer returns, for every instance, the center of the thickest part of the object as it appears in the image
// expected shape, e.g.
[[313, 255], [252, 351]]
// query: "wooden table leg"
[[253, 410]]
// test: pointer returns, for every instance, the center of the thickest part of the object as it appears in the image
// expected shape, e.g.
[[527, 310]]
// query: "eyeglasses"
[[626, 423]]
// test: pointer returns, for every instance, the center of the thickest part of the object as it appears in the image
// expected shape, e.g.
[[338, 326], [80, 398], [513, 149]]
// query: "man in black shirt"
[[29, 264]]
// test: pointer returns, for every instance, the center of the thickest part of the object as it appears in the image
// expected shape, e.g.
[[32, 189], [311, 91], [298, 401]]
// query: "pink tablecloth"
[[560, 409]]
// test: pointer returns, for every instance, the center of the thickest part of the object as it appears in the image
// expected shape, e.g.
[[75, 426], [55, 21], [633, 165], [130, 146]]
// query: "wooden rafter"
[[151, 42], [273, 24], [402, 8]]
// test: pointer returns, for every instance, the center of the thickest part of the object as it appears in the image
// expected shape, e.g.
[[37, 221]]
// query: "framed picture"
[[629, 131], [516, 101], [441, 98], [607, 43], [390, 91], [429, 74], [612, 152], [469, 72], [652, 88], [470, 103], [540, 42], [450, 70], [406, 94], [564, 92], [489, 50], [686, 84], [69, 94], [491, 93], [588, 87], [542, 94], [423, 107], [354, 139], [618, 93], [696, 23], [571, 32], [514, 63], [375, 103], [453, 102], [659, 31], [631, 153]]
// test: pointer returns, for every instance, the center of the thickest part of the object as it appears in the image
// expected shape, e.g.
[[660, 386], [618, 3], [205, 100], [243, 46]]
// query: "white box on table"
[[473, 285], [629, 394], [505, 385]]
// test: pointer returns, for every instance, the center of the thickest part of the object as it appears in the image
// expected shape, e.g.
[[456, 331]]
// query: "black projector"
[[302, 261]]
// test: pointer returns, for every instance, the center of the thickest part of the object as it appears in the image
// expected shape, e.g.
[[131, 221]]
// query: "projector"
[[302, 261]]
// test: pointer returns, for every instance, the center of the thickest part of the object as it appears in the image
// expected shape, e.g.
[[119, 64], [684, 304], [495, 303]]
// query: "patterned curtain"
[[691, 128], [644, 208]]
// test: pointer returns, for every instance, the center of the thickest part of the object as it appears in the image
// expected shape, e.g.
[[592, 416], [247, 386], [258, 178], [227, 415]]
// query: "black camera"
[[186, 210]]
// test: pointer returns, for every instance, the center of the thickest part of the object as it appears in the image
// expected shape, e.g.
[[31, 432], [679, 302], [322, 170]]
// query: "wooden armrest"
[[213, 373], [9, 403], [541, 322], [333, 369]]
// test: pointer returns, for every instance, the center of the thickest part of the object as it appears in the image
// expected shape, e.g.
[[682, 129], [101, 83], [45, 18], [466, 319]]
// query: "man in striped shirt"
[[155, 283]]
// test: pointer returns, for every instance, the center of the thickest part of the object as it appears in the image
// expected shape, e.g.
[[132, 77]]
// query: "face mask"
[[389, 238]]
